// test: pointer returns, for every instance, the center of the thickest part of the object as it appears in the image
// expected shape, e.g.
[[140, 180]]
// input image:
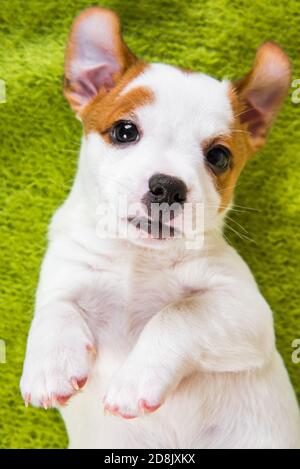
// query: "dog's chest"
[[125, 293], [150, 288]]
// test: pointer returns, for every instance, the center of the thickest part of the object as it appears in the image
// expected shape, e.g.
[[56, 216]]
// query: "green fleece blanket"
[[39, 142]]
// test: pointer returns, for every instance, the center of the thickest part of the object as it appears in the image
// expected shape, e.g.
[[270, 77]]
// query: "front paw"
[[56, 369], [137, 390]]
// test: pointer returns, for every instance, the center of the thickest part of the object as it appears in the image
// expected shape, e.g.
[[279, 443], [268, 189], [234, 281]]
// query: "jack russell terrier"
[[146, 340]]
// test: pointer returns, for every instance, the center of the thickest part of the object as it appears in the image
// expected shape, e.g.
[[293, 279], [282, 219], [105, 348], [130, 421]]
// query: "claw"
[[52, 400], [78, 383], [116, 411], [27, 400], [81, 382], [75, 384], [127, 416], [110, 410], [92, 349], [45, 403], [143, 405], [62, 400]]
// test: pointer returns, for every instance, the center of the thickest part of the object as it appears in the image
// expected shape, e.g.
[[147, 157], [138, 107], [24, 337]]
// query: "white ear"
[[263, 90], [96, 56]]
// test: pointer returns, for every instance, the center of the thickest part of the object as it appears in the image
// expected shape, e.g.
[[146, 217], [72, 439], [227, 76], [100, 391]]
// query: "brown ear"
[[96, 56], [262, 91]]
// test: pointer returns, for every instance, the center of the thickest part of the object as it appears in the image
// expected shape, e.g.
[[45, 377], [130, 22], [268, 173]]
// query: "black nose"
[[166, 189]]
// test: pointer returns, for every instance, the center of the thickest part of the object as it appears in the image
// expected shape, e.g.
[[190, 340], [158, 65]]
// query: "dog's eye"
[[124, 132], [218, 158]]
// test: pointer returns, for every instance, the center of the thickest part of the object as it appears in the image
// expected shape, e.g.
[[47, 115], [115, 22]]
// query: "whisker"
[[233, 209], [238, 224], [244, 111], [64, 185], [242, 236], [241, 131], [248, 208], [234, 205], [220, 231]]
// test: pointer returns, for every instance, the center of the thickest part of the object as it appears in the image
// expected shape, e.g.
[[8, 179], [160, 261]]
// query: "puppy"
[[157, 341]]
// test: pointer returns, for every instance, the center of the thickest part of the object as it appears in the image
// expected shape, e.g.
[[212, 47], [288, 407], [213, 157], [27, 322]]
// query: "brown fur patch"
[[107, 108], [237, 141]]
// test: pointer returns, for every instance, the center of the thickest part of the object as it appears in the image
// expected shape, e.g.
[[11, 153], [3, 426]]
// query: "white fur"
[[185, 328]]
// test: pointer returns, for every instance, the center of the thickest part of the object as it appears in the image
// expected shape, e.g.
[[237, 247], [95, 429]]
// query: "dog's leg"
[[219, 330], [60, 346]]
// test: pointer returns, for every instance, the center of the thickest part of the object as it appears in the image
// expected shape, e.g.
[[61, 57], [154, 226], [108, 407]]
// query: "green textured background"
[[39, 142]]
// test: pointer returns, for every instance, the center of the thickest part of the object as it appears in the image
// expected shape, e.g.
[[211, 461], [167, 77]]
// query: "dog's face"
[[165, 141]]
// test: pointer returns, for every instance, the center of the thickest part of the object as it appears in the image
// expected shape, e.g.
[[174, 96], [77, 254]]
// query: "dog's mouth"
[[155, 229]]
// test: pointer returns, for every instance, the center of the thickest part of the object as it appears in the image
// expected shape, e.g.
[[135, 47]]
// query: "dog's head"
[[156, 134]]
